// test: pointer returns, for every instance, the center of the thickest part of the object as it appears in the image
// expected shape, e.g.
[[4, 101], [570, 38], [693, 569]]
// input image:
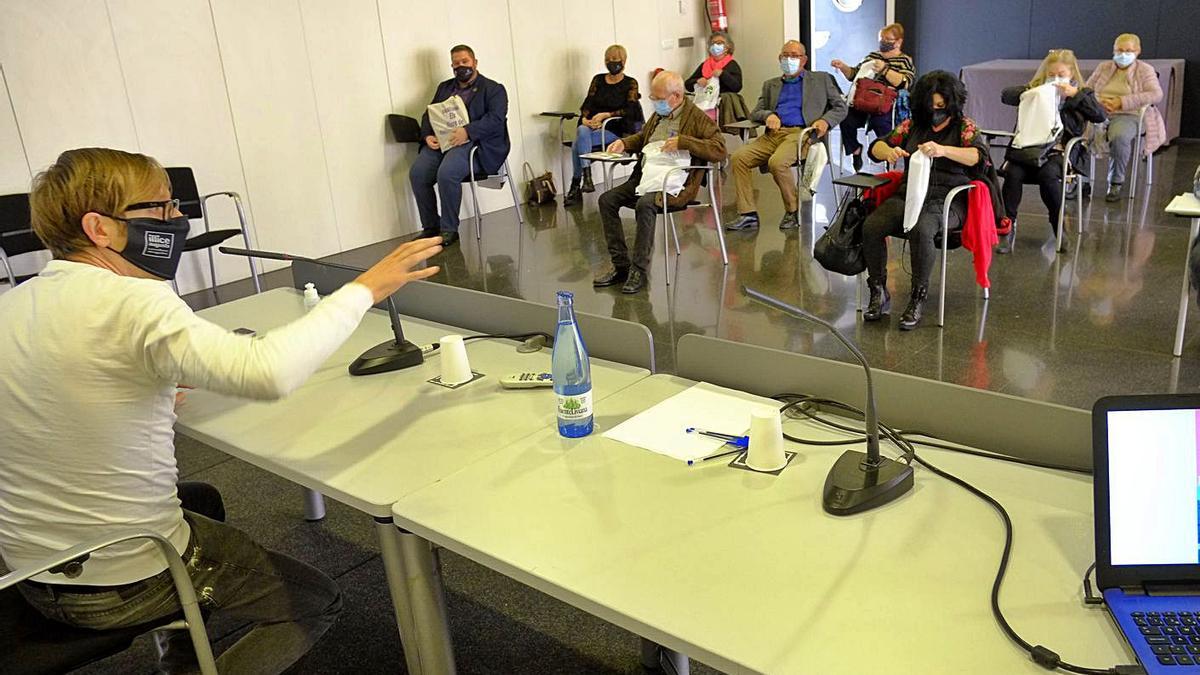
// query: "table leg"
[[415, 584], [655, 657], [1181, 320], [314, 505]]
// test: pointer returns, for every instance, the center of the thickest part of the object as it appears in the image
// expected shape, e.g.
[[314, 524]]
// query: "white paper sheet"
[[663, 428]]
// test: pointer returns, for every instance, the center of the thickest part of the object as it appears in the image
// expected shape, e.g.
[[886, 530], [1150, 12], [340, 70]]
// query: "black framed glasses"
[[168, 206]]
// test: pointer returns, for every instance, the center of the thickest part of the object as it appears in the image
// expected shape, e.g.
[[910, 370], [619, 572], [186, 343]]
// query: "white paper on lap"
[[920, 166]]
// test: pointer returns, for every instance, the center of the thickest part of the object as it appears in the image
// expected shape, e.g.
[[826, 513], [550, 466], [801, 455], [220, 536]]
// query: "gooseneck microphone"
[[395, 354], [857, 482]]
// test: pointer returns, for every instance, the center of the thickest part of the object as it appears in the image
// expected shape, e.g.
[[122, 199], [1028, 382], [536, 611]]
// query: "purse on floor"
[[541, 188]]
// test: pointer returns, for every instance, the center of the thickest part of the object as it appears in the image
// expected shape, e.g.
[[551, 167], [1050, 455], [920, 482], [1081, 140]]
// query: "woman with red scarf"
[[719, 64]]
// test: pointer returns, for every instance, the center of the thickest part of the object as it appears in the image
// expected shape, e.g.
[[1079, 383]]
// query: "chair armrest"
[[693, 167]]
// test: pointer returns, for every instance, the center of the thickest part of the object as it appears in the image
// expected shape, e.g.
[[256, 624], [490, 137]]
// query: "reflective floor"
[[1097, 319]]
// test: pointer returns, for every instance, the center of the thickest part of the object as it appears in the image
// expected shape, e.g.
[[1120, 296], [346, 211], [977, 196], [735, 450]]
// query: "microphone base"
[[386, 357], [852, 488]]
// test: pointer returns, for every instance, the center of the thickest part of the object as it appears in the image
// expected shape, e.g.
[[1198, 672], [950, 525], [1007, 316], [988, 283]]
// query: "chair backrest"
[[183, 188], [16, 225], [405, 129]]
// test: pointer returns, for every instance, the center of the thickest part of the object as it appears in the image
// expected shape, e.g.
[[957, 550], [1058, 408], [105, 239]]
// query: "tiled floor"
[[1098, 319]]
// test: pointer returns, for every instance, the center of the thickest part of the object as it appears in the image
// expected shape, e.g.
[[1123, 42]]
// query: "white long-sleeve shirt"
[[89, 362]]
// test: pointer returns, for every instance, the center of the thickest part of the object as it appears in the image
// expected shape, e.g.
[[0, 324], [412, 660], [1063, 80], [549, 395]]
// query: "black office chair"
[[194, 206], [406, 129], [35, 645], [16, 233]]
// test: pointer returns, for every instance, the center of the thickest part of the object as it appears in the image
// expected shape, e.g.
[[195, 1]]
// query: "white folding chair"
[[494, 182]]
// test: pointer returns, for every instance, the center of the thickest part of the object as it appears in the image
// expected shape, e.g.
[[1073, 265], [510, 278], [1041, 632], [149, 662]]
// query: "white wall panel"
[[549, 80], [172, 68], [271, 93], [351, 84], [65, 78]]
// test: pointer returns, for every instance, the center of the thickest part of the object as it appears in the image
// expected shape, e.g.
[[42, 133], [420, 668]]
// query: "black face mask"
[[885, 46], [154, 245], [939, 116], [614, 67], [463, 73]]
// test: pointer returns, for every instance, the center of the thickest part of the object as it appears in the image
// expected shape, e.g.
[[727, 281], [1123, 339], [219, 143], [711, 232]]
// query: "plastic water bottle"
[[572, 372], [310, 296]]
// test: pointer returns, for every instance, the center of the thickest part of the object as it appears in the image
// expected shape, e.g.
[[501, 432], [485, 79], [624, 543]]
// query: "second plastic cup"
[[456, 369]]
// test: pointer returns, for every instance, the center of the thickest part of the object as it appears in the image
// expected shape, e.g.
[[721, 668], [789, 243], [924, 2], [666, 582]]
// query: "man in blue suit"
[[487, 109]]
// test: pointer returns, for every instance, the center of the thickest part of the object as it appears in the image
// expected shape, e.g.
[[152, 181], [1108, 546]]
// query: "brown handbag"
[[873, 96], [541, 188]]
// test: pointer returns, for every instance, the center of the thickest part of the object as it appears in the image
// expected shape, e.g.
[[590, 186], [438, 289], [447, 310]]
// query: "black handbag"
[[840, 248]]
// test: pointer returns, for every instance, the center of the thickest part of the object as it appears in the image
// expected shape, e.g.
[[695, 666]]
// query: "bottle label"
[[575, 408]]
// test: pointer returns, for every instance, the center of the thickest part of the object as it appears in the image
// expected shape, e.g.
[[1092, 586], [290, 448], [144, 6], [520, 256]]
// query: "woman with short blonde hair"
[[611, 94]]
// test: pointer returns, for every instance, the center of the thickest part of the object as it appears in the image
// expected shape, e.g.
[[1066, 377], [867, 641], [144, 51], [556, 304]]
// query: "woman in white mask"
[[719, 63], [1123, 86], [1043, 164]]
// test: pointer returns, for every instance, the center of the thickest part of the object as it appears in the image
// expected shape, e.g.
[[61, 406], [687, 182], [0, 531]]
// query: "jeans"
[[880, 125], [1120, 136], [887, 220], [645, 211], [447, 171], [1048, 178], [289, 603], [587, 140]]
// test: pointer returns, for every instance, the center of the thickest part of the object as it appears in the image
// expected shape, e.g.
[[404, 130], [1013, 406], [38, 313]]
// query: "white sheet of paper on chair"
[[920, 166], [663, 427]]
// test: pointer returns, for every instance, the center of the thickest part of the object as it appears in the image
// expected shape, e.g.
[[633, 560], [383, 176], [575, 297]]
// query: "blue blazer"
[[488, 110]]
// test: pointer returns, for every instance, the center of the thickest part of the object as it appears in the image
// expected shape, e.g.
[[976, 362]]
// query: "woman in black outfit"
[[718, 64], [1043, 164], [611, 94], [953, 142]]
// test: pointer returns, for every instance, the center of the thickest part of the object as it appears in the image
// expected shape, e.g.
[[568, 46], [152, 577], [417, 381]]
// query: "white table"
[[609, 162], [746, 572], [1184, 206], [369, 441]]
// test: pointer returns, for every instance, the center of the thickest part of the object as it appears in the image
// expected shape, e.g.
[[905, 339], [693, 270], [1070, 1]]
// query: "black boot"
[[881, 301], [857, 160], [574, 195], [916, 304], [587, 182], [1006, 241]]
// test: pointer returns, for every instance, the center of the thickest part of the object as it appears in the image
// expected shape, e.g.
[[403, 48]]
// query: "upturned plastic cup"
[[766, 442], [456, 369]]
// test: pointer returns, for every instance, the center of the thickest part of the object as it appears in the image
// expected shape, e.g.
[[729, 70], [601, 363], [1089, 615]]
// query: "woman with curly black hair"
[[953, 143]]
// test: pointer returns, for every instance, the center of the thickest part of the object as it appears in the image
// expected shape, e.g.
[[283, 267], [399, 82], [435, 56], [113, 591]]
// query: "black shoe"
[[1073, 191], [587, 182], [880, 302], [1114, 193], [791, 220], [574, 197], [616, 275], [635, 283], [916, 304], [857, 160], [449, 238], [747, 221], [1087, 190], [429, 232]]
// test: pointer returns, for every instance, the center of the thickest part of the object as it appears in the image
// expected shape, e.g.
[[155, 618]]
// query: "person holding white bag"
[[953, 144], [677, 134], [444, 157], [1041, 163], [888, 65]]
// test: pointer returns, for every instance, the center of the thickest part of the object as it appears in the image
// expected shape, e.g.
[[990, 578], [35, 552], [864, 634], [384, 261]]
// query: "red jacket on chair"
[[979, 231]]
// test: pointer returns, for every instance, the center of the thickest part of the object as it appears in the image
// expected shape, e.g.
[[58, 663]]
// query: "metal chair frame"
[[498, 181], [668, 218]]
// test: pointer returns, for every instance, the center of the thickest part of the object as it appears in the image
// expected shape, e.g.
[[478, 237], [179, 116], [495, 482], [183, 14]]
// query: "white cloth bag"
[[1038, 121], [708, 96], [656, 164], [445, 117], [920, 166]]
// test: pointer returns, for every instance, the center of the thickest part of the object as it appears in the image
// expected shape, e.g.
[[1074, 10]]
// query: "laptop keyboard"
[[1174, 637]]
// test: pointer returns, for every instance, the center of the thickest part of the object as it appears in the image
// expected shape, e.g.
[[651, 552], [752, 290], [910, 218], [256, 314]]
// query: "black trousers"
[[887, 220], [1048, 178], [645, 212]]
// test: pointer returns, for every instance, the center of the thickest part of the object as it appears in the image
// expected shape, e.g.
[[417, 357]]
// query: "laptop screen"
[[1153, 481]]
